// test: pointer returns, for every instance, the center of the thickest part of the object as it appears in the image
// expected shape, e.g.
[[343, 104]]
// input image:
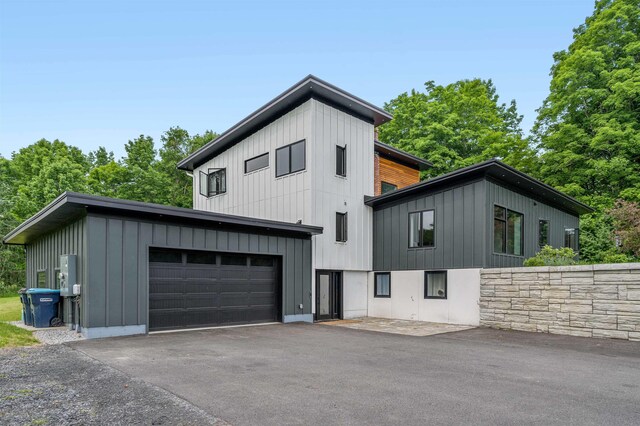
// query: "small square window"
[[341, 227], [41, 279], [382, 284], [435, 285], [213, 183]]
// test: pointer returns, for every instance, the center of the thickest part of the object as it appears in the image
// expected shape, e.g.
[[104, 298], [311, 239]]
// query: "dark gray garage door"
[[199, 289]]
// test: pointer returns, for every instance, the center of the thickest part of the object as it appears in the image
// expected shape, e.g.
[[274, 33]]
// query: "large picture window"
[[213, 183], [290, 159], [571, 239], [435, 285], [382, 284], [422, 229], [508, 230]]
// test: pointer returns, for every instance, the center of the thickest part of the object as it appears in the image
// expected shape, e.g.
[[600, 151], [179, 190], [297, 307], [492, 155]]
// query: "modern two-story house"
[[299, 214]]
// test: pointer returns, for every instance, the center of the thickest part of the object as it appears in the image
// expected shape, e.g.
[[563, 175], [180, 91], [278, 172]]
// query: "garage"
[[145, 267], [190, 289]]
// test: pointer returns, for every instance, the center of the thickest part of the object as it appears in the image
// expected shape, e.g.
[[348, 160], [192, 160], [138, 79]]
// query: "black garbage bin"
[[44, 305], [27, 318]]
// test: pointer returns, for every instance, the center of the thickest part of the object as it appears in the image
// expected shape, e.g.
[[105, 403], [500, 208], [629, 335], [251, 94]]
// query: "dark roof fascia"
[[307, 88], [498, 171], [401, 156], [74, 205]]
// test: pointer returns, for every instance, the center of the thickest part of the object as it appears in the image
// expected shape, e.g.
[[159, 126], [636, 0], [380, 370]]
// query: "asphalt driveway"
[[313, 374]]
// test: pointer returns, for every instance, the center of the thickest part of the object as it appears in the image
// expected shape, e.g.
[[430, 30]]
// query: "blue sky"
[[96, 73]]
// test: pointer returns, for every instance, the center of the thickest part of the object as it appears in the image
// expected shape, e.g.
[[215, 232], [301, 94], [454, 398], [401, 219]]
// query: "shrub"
[[549, 256]]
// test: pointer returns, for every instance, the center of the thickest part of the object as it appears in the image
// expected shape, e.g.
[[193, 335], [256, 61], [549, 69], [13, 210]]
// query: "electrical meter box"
[[68, 277]]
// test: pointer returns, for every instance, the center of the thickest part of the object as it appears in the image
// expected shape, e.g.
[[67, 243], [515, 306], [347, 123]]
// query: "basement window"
[[422, 229], [213, 183], [435, 285], [382, 284]]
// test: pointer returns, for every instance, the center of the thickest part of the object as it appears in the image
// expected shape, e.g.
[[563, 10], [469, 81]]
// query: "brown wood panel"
[[394, 173]]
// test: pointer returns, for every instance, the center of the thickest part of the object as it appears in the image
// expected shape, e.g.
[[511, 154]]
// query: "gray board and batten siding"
[[112, 239], [463, 227]]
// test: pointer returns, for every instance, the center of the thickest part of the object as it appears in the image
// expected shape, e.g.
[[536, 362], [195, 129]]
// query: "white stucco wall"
[[407, 298], [354, 288]]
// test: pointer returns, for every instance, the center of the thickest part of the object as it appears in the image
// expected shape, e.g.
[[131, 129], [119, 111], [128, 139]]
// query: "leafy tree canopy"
[[457, 125]]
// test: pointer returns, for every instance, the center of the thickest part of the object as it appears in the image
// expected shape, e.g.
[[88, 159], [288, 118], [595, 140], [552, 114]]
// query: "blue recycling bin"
[[44, 305], [27, 318]]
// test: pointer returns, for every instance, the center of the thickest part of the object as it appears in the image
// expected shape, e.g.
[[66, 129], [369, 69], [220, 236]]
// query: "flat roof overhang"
[[71, 206], [401, 156], [309, 87], [496, 170]]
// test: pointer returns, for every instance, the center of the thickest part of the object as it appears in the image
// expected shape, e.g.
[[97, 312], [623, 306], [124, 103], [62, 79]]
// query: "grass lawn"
[[10, 335], [10, 308]]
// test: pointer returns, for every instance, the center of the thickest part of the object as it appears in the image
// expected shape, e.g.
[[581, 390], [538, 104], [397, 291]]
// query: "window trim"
[[421, 228], [446, 284], [375, 286], [345, 234], [206, 176], [290, 172], [255, 158], [506, 231], [342, 149], [548, 231], [395, 187]]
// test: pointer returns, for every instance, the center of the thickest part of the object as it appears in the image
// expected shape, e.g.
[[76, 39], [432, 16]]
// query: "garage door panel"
[[224, 291]]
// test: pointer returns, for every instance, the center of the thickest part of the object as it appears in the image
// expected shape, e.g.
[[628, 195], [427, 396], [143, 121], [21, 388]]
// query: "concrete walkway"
[[394, 326]]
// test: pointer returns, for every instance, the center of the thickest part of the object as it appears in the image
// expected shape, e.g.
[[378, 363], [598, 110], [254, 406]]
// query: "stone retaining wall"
[[585, 300]]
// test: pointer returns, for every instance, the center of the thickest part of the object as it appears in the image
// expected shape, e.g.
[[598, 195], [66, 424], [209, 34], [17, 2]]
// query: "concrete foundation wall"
[[407, 298], [584, 300]]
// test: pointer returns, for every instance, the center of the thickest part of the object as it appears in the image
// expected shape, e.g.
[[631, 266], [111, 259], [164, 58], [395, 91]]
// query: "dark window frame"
[[266, 154], [375, 285], [341, 162], [383, 183], [342, 232], [548, 236], [205, 190], [426, 284], [577, 238], [421, 229], [289, 147], [505, 221]]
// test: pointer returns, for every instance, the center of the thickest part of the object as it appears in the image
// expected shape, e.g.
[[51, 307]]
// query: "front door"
[[328, 295]]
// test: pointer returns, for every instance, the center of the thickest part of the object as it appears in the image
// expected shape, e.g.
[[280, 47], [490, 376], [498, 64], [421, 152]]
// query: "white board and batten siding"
[[313, 195]]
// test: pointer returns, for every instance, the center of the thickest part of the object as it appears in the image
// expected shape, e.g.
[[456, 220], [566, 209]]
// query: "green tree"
[[100, 157], [588, 128], [457, 125], [176, 145]]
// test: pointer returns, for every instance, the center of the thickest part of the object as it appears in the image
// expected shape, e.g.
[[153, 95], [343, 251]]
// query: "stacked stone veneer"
[[585, 300]]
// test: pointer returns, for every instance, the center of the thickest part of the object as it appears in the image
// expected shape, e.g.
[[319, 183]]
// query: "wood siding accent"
[[395, 173]]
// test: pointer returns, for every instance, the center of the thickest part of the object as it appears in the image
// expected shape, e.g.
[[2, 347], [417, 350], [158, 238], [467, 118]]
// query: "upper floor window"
[[341, 227], [341, 161], [213, 183], [387, 187], [571, 238], [508, 230], [256, 163], [543, 232], [422, 229], [290, 158]]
